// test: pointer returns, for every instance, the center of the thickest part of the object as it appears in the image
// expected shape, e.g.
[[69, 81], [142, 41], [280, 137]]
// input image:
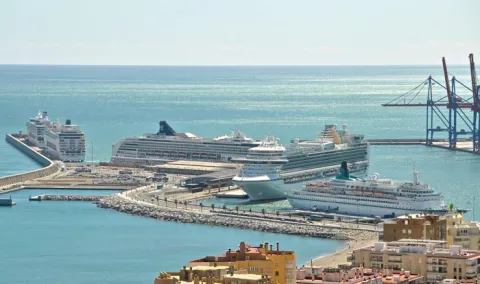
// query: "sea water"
[[56, 241], [77, 242]]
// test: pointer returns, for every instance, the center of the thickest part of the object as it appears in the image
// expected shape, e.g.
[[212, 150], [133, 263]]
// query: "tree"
[[201, 206], [176, 203], [224, 207], [185, 203], [289, 215], [250, 211], [263, 212], [213, 207], [165, 199], [236, 208], [451, 206], [278, 213]]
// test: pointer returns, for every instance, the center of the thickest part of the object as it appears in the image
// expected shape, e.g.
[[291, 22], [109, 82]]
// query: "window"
[[404, 231], [409, 232], [276, 273]]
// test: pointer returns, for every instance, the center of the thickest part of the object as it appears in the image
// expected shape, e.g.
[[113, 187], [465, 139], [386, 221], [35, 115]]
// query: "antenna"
[[415, 174], [473, 208], [92, 151]]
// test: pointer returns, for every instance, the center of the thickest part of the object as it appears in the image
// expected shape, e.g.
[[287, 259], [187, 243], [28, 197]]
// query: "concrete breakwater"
[[53, 197], [124, 204], [50, 167]]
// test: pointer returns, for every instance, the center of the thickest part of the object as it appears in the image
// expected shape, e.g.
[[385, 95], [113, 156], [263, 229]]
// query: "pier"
[[53, 197], [50, 167], [462, 145]]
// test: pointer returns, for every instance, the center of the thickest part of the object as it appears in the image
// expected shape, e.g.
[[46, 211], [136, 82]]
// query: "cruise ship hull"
[[353, 209], [265, 188]]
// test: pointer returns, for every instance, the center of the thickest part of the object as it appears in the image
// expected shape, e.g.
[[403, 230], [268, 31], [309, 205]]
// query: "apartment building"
[[427, 258], [278, 265]]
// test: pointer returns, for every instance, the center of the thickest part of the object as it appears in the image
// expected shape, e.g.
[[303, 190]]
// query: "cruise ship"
[[271, 170], [65, 142], [167, 144], [347, 194]]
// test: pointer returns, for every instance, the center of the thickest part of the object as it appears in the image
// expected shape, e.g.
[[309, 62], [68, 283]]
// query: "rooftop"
[[243, 277], [253, 253], [207, 268]]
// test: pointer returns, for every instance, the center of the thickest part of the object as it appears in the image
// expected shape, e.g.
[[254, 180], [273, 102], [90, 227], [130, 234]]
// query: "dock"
[[462, 145], [53, 197], [7, 202]]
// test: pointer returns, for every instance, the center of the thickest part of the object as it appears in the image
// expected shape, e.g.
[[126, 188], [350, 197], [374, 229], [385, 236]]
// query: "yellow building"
[[278, 265], [421, 226], [466, 234], [209, 275], [425, 257]]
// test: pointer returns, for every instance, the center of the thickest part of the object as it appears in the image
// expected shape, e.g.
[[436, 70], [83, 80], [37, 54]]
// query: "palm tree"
[[176, 203], [165, 199], [213, 207], [263, 212], [236, 208], [289, 215], [224, 207], [185, 203], [201, 206], [278, 213], [250, 211]]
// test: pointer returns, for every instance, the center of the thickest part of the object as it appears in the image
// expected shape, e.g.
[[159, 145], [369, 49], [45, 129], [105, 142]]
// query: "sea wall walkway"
[[187, 213], [50, 167]]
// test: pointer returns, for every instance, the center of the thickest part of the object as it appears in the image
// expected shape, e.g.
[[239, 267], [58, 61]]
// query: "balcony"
[[351, 258], [395, 260], [436, 271]]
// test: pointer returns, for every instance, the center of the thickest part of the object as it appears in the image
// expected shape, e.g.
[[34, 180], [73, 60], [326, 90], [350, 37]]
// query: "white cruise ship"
[[65, 142], [166, 145], [268, 174], [368, 197]]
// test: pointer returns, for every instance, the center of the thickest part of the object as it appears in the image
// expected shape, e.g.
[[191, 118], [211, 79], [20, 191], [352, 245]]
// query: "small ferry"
[[347, 194]]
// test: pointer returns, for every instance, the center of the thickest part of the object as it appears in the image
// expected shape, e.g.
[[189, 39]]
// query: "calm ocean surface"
[[58, 242]]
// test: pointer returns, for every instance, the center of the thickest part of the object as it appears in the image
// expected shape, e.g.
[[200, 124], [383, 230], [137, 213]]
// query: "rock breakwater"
[[124, 204]]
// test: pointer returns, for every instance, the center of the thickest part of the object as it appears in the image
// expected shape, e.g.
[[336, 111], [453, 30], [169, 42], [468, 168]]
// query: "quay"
[[10, 183], [52, 197], [462, 145], [7, 202]]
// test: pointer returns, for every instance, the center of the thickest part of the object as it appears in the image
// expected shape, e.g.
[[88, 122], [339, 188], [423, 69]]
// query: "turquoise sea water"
[[59, 239], [76, 242]]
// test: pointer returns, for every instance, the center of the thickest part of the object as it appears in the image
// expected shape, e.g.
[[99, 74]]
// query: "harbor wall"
[[49, 168], [24, 148]]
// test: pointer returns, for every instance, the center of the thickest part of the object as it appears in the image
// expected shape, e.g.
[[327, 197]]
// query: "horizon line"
[[227, 65]]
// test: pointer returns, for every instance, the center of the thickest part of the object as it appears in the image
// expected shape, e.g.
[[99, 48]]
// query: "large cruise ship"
[[167, 144], [271, 170], [347, 194], [65, 142]]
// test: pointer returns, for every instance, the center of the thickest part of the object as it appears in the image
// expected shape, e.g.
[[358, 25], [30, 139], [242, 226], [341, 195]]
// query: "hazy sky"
[[258, 32]]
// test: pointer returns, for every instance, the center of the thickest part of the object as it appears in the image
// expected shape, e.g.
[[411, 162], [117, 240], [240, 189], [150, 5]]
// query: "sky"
[[243, 32]]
